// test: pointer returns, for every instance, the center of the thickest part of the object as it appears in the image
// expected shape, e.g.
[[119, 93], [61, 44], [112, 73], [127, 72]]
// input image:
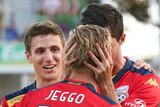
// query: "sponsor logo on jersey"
[[140, 102], [137, 103], [57, 95], [152, 82], [14, 100], [122, 92]]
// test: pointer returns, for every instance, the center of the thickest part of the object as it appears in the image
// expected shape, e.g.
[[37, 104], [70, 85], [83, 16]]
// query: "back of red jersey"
[[67, 93]]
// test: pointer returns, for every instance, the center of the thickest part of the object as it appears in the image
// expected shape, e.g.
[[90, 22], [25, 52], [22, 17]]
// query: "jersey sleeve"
[[4, 103], [145, 94], [25, 101]]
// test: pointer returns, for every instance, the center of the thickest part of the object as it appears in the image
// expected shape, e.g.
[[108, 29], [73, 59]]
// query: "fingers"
[[104, 66], [108, 54], [70, 49], [99, 75], [91, 67], [72, 61], [105, 54], [147, 66], [139, 64], [67, 62], [100, 52], [94, 58], [68, 52]]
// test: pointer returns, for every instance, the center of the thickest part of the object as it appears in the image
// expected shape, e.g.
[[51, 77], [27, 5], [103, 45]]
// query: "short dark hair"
[[42, 28], [104, 15]]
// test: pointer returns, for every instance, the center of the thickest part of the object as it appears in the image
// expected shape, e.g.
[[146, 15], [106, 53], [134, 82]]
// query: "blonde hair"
[[86, 36]]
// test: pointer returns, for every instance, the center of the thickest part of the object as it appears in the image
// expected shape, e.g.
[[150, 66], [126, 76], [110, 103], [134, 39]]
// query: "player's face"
[[46, 57]]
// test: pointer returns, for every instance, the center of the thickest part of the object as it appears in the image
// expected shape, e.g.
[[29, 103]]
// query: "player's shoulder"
[[18, 95], [142, 71], [145, 74], [132, 69], [21, 91], [129, 65]]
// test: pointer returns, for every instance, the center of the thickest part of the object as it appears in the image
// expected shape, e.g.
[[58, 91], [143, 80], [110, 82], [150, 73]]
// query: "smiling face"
[[46, 56]]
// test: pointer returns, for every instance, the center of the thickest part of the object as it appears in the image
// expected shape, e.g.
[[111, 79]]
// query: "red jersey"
[[137, 87], [68, 93], [10, 99]]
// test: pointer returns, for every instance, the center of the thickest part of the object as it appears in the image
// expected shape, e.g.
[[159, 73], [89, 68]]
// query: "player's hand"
[[65, 54], [139, 64], [103, 70]]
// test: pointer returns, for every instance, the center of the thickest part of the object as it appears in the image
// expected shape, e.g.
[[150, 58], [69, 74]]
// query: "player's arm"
[[103, 71]]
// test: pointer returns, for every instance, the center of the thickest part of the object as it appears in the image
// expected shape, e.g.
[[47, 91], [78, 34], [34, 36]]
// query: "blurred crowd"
[[65, 13]]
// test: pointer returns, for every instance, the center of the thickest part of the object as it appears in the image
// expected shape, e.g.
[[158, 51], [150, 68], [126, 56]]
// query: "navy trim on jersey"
[[21, 91], [141, 71], [91, 88], [128, 65]]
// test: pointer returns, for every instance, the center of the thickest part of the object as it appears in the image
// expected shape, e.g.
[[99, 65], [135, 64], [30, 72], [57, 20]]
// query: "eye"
[[39, 51], [55, 49]]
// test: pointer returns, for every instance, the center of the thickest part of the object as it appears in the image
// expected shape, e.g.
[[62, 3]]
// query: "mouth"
[[49, 68]]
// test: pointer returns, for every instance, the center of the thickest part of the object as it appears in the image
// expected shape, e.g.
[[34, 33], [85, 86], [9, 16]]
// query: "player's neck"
[[42, 83], [118, 65], [84, 78]]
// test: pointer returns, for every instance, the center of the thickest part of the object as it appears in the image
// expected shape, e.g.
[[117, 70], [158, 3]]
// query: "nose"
[[48, 56]]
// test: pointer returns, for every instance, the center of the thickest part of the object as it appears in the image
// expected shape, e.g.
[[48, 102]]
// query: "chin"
[[51, 78]]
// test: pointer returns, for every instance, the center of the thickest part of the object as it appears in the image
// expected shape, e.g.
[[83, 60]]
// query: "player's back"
[[67, 93]]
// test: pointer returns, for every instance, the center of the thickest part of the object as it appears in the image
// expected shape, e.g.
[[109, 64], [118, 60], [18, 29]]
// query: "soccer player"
[[134, 87], [32, 41], [80, 88], [37, 52], [44, 42]]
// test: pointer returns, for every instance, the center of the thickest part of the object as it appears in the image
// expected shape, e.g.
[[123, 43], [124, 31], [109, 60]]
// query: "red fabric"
[[69, 94], [4, 103], [142, 90]]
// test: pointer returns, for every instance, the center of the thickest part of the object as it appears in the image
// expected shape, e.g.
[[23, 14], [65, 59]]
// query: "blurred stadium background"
[[141, 20]]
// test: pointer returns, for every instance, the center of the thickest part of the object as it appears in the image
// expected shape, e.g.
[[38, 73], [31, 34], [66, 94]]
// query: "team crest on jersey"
[[122, 92]]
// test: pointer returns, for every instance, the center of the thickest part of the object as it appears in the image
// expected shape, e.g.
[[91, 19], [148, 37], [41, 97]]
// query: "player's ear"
[[28, 56], [122, 39]]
